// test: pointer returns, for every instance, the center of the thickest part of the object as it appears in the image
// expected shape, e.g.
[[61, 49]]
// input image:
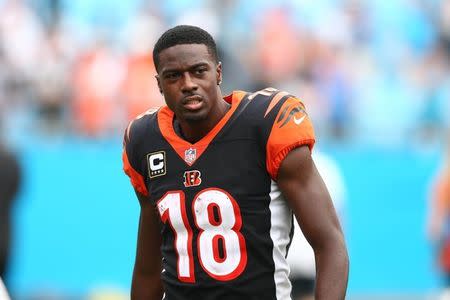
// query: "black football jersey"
[[225, 226]]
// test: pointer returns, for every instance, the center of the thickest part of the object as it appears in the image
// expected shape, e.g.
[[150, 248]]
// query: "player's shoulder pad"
[[268, 98], [286, 126], [139, 125], [132, 140]]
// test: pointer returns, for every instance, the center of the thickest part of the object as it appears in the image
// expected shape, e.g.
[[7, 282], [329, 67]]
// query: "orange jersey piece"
[[292, 128]]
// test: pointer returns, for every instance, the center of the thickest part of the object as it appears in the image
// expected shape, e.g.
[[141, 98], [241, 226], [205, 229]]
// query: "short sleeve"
[[291, 128], [137, 179]]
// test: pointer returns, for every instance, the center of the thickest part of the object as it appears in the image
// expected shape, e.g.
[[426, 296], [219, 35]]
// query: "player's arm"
[[146, 282], [308, 197]]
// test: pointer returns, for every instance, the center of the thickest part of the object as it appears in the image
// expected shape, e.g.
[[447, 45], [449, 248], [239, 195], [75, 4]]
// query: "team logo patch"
[[192, 178], [190, 155], [291, 112], [156, 164]]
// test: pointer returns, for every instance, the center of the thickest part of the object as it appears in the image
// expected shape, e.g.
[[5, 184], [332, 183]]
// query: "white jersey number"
[[218, 218]]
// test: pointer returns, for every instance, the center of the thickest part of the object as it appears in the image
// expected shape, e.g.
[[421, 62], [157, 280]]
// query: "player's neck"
[[195, 130]]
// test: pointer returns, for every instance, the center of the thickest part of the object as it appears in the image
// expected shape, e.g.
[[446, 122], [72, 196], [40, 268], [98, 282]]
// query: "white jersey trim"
[[3, 293], [280, 228]]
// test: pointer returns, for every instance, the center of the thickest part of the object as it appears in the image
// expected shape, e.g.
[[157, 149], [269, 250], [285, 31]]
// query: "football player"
[[219, 180]]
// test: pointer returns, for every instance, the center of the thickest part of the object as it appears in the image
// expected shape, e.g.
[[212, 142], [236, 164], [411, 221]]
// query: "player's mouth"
[[193, 102]]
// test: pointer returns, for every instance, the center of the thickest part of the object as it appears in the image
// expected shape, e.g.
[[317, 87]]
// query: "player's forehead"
[[184, 56]]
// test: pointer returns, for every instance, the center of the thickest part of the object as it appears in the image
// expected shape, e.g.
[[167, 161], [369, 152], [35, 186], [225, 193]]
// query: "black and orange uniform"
[[225, 227]]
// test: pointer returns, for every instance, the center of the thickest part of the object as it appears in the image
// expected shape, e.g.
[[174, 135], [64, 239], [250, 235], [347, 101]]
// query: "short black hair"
[[184, 34]]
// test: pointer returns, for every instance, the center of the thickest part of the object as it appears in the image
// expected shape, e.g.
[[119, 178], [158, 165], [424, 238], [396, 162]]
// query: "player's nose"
[[188, 84]]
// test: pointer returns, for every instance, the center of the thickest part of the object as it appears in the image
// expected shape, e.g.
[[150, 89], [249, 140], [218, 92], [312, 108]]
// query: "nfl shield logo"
[[190, 155]]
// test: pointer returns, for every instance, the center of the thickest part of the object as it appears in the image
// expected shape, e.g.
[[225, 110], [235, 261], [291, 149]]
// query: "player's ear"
[[219, 73], [159, 83]]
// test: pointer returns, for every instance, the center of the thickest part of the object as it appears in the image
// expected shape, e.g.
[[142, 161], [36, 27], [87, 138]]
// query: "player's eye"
[[200, 70], [171, 76]]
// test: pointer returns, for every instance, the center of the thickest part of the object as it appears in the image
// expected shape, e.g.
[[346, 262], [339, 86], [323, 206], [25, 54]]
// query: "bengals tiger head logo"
[[192, 178]]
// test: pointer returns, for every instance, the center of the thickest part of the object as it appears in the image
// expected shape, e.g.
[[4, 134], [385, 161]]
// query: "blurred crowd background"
[[374, 75], [371, 71]]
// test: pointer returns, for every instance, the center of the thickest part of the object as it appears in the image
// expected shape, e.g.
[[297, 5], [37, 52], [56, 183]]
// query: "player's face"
[[188, 77]]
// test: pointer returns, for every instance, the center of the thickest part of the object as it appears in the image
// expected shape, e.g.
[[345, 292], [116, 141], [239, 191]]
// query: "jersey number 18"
[[220, 228]]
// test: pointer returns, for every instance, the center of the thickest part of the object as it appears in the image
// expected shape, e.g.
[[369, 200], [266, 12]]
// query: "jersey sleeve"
[[130, 166], [291, 128]]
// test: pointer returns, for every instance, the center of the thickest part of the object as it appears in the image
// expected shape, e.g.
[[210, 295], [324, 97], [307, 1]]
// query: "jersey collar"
[[187, 151]]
